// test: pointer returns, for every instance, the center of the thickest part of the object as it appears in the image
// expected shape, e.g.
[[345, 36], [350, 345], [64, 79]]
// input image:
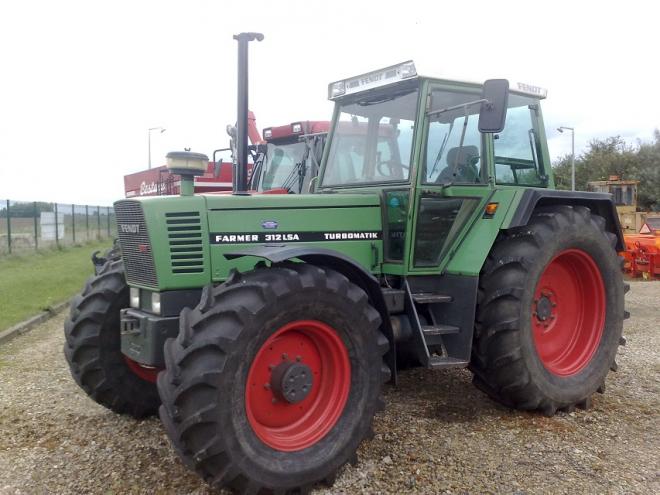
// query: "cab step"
[[437, 362], [430, 330], [430, 298]]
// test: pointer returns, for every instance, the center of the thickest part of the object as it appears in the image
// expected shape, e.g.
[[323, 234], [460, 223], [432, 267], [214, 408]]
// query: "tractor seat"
[[461, 165]]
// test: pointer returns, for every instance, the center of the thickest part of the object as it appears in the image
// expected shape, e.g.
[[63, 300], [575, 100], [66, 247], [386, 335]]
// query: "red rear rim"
[[568, 312], [298, 385], [148, 373]]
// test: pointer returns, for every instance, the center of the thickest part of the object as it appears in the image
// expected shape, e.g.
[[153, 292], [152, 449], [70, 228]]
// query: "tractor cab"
[[429, 148], [290, 158]]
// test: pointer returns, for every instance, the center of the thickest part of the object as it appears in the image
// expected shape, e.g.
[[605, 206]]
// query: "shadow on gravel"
[[448, 397], [445, 396]]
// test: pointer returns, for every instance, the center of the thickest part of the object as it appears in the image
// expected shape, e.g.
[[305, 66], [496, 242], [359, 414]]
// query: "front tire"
[[274, 379], [550, 312], [93, 347]]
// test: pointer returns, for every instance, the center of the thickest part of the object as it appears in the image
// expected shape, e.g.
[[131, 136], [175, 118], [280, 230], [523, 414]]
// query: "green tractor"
[[263, 327]]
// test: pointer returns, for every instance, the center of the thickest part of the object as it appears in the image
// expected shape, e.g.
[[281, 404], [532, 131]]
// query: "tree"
[[648, 173], [614, 156], [25, 210]]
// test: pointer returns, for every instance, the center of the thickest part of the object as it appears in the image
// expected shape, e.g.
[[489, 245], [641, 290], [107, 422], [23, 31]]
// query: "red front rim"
[[148, 373], [568, 312], [287, 426]]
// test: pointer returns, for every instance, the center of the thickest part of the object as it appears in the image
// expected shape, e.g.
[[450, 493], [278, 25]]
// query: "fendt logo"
[[269, 224], [129, 228]]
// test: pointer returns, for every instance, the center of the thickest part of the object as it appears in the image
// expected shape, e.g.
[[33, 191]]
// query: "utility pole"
[[162, 130], [562, 129]]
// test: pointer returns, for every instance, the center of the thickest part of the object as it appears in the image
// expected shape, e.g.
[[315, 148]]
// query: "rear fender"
[[599, 203]]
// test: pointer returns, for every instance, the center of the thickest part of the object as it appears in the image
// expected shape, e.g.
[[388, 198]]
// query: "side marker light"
[[490, 210]]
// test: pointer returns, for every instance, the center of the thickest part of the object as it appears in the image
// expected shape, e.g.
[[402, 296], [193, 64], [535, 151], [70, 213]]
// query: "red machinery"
[[159, 181], [286, 139], [642, 254]]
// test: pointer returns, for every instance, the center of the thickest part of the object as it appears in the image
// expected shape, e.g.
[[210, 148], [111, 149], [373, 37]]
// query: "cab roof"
[[406, 71]]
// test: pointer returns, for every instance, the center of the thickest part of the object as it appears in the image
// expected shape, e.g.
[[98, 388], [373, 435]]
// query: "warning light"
[[490, 210]]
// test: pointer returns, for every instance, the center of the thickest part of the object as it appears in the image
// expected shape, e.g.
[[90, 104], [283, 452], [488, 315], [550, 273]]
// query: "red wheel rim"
[[568, 312], [286, 426], [148, 373]]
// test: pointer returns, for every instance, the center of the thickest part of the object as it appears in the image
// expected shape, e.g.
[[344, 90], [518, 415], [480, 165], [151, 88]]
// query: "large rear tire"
[[274, 379], [550, 312], [93, 348]]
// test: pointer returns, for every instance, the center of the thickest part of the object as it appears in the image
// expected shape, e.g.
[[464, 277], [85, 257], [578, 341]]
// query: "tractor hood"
[[180, 242], [268, 201], [347, 223]]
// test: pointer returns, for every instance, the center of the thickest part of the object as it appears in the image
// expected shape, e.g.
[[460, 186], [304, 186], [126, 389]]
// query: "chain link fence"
[[33, 225]]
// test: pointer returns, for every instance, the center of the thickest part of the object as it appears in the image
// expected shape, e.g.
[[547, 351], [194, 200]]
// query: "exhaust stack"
[[240, 181]]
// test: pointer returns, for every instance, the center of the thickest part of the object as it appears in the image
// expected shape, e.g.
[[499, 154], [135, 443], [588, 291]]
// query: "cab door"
[[453, 180]]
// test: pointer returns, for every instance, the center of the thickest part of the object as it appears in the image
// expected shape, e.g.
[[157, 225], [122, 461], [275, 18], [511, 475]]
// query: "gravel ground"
[[438, 434]]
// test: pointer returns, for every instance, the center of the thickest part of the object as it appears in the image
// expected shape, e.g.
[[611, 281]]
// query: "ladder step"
[[437, 362], [430, 298], [439, 330]]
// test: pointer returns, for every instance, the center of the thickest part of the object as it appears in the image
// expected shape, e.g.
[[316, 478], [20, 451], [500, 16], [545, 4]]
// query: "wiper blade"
[[441, 152], [366, 103]]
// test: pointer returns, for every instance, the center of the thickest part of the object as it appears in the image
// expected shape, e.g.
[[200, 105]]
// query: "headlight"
[[296, 128], [135, 298], [336, 89], [407, 70], [268, 133], [155, 302]]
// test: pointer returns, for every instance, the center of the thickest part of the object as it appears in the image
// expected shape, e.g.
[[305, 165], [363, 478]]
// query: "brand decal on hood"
[[266, 237], [269, 224]]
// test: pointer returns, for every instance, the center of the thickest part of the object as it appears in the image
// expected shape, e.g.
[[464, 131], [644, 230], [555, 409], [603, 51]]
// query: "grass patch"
[[31, 283]]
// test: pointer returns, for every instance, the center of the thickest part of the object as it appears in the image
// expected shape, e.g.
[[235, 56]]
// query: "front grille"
[[135, 246], [184, 233]]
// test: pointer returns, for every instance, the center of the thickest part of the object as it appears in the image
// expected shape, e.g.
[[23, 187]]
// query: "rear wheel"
[[93, 348], [274, 379], [550, 312]]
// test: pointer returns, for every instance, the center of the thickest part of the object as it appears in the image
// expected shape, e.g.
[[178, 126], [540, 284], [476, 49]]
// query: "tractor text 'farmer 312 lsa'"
[[434, 238]]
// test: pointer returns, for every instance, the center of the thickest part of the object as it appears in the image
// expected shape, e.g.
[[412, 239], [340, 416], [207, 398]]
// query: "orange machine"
[[642, 254]]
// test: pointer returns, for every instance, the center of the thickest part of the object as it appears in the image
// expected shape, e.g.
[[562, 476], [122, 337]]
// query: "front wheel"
[[550, 312], [274, 379], [93, 347]]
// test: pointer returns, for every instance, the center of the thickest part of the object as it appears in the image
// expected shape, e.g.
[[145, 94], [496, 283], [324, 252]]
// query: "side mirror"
[[493, 112]]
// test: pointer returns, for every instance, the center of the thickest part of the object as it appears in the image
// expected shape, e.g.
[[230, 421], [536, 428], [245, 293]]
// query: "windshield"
[[284, 166], [372, 141]]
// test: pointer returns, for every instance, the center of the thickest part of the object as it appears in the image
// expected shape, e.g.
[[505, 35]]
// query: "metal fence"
[[33, 225]]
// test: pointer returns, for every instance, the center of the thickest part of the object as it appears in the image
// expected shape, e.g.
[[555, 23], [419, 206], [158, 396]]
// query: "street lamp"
[[162, 130], [562, 129]]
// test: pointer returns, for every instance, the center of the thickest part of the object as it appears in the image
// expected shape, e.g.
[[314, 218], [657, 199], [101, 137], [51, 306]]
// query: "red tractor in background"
[[284, 160], [290, 158]]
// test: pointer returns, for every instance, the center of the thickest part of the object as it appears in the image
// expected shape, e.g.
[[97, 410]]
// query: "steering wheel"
[[394, 169]]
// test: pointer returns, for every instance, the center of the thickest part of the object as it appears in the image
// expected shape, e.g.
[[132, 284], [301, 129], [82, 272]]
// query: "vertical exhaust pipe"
[[240, 181]]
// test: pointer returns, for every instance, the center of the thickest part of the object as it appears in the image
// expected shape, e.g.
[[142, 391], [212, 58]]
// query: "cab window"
[[518, 159], [453, 148]]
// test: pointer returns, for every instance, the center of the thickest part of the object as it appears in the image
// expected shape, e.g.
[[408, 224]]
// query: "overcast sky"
[[81, 82]]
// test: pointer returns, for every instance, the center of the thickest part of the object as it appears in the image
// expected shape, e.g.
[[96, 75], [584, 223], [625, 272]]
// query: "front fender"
[[341, 263]]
